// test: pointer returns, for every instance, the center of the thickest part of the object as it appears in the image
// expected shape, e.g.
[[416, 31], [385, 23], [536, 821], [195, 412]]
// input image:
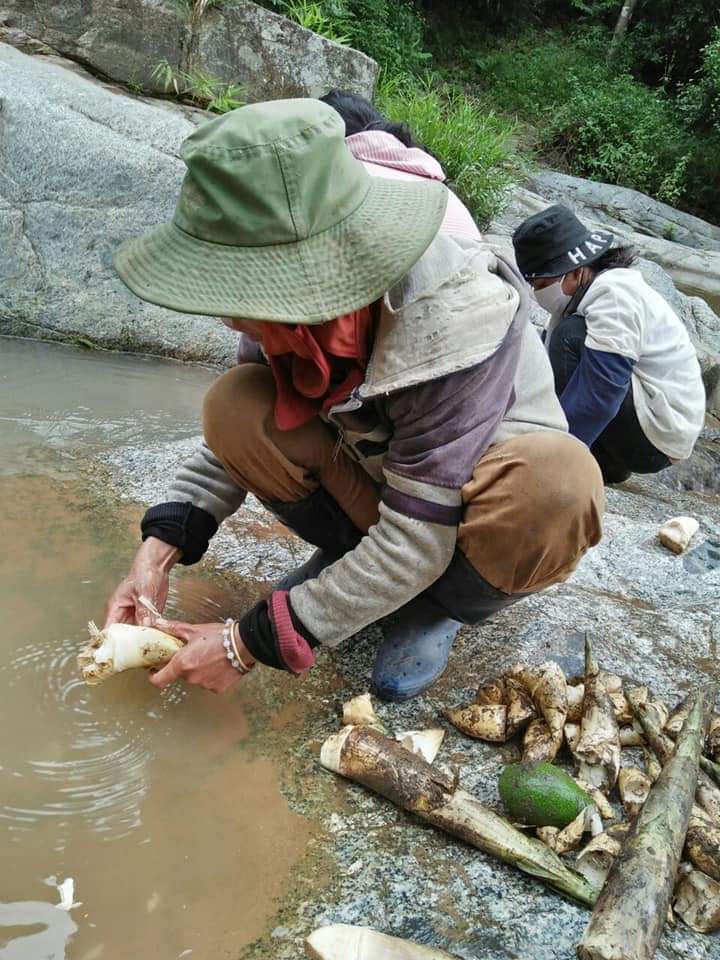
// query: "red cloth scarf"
[[316, 366]]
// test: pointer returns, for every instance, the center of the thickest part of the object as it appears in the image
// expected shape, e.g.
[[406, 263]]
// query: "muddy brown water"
[[176, 834]]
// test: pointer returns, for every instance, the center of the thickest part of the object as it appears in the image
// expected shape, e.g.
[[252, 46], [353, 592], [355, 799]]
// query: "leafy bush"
[[313, 16], [623, 132], [390, 31], [472, 143], [604, 125]]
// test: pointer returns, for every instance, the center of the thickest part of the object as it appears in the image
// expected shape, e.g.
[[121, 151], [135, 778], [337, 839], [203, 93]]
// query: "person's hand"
[[149, 577], [202, 661]]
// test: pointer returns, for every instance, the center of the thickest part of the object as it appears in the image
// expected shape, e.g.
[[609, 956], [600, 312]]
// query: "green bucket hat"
[[277, 221]]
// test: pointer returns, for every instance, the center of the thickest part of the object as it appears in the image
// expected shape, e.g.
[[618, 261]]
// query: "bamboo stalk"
[[380, 764], [630, 913]]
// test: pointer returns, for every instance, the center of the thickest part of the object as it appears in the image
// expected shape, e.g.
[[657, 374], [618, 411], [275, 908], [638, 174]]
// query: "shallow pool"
[[172, 827]]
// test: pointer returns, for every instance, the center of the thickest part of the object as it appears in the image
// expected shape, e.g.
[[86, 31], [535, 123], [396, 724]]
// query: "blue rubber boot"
[[415, 651]]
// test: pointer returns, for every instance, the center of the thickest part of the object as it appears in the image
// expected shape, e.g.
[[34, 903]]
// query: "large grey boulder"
[[238, 42], [81, 169], [620, 206]]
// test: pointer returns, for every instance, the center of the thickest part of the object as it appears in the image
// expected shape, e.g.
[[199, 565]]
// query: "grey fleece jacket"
[[455, 368]]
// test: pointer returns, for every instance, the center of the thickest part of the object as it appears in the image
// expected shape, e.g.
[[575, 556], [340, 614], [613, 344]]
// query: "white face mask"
[[552, 298]]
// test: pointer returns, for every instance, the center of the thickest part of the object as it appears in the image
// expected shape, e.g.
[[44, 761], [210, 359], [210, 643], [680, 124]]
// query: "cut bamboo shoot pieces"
[[359, 712], [123, 647], [423, 743], [634, 787], [677, 533]]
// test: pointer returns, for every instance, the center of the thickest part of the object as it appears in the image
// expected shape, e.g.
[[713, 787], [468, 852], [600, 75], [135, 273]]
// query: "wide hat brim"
[[313, 280]]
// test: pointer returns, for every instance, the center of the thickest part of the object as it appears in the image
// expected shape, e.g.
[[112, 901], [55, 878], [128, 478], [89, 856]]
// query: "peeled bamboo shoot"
[[123, 647]]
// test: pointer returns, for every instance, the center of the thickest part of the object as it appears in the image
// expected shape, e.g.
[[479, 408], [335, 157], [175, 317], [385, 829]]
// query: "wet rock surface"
[[653, 618], [622, 207], [239, 42]]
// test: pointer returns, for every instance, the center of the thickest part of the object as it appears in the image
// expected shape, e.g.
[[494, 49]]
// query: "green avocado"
[[541, 795]]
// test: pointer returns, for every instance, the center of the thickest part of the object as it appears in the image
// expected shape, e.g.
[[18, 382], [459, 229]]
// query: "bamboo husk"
[[631, 736], [613, 685], [382, 765], [677, 718], [539, 743], [481, 721], [575, 695], [547, 687], [697, 900], [548, 835], [677, 533], [598, 798], [360, 713], [572, 737], [712, 741], [596, 858], [520, 708], [630, 913], [634, 787], [702, 846], [570, 837], [598, 749], [652, 765], [342, 941], [493, 692], [425, 743]]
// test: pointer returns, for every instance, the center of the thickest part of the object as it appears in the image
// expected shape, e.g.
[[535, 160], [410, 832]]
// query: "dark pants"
[[622, 448]]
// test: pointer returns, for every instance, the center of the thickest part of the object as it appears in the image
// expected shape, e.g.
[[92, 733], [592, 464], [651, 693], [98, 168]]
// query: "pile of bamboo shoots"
[[671, 803], [652, 775]]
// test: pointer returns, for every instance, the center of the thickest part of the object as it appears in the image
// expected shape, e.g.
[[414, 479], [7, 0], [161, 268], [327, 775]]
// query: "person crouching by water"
[[405, 422], [625, 370]]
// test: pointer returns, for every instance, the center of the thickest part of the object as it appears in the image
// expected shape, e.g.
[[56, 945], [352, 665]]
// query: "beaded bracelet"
[[231, 650]]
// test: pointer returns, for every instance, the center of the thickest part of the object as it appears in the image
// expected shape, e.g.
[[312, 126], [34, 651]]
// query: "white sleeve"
[[614, 320]]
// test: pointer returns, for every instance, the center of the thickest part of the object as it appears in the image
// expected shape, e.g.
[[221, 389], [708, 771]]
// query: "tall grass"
[[473, 144]]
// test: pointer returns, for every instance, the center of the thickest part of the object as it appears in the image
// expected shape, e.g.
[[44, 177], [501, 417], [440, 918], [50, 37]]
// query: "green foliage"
[[603, 125], [473, 144], [698, 101], [315, 17], [622, 132], [199, 88], [389, 31]]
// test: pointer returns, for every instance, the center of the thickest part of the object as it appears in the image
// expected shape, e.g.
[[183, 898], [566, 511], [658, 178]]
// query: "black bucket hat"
[[554, 242]]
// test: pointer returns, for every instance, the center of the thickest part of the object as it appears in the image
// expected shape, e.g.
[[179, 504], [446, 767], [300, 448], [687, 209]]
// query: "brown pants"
[[532, 508]]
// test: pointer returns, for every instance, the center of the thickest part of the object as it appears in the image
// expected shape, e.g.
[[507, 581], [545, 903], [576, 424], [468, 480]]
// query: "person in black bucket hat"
[[625, 370]]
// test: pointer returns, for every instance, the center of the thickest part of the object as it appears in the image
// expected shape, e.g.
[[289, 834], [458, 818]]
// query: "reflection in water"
[[47, 943], [178, 841]]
